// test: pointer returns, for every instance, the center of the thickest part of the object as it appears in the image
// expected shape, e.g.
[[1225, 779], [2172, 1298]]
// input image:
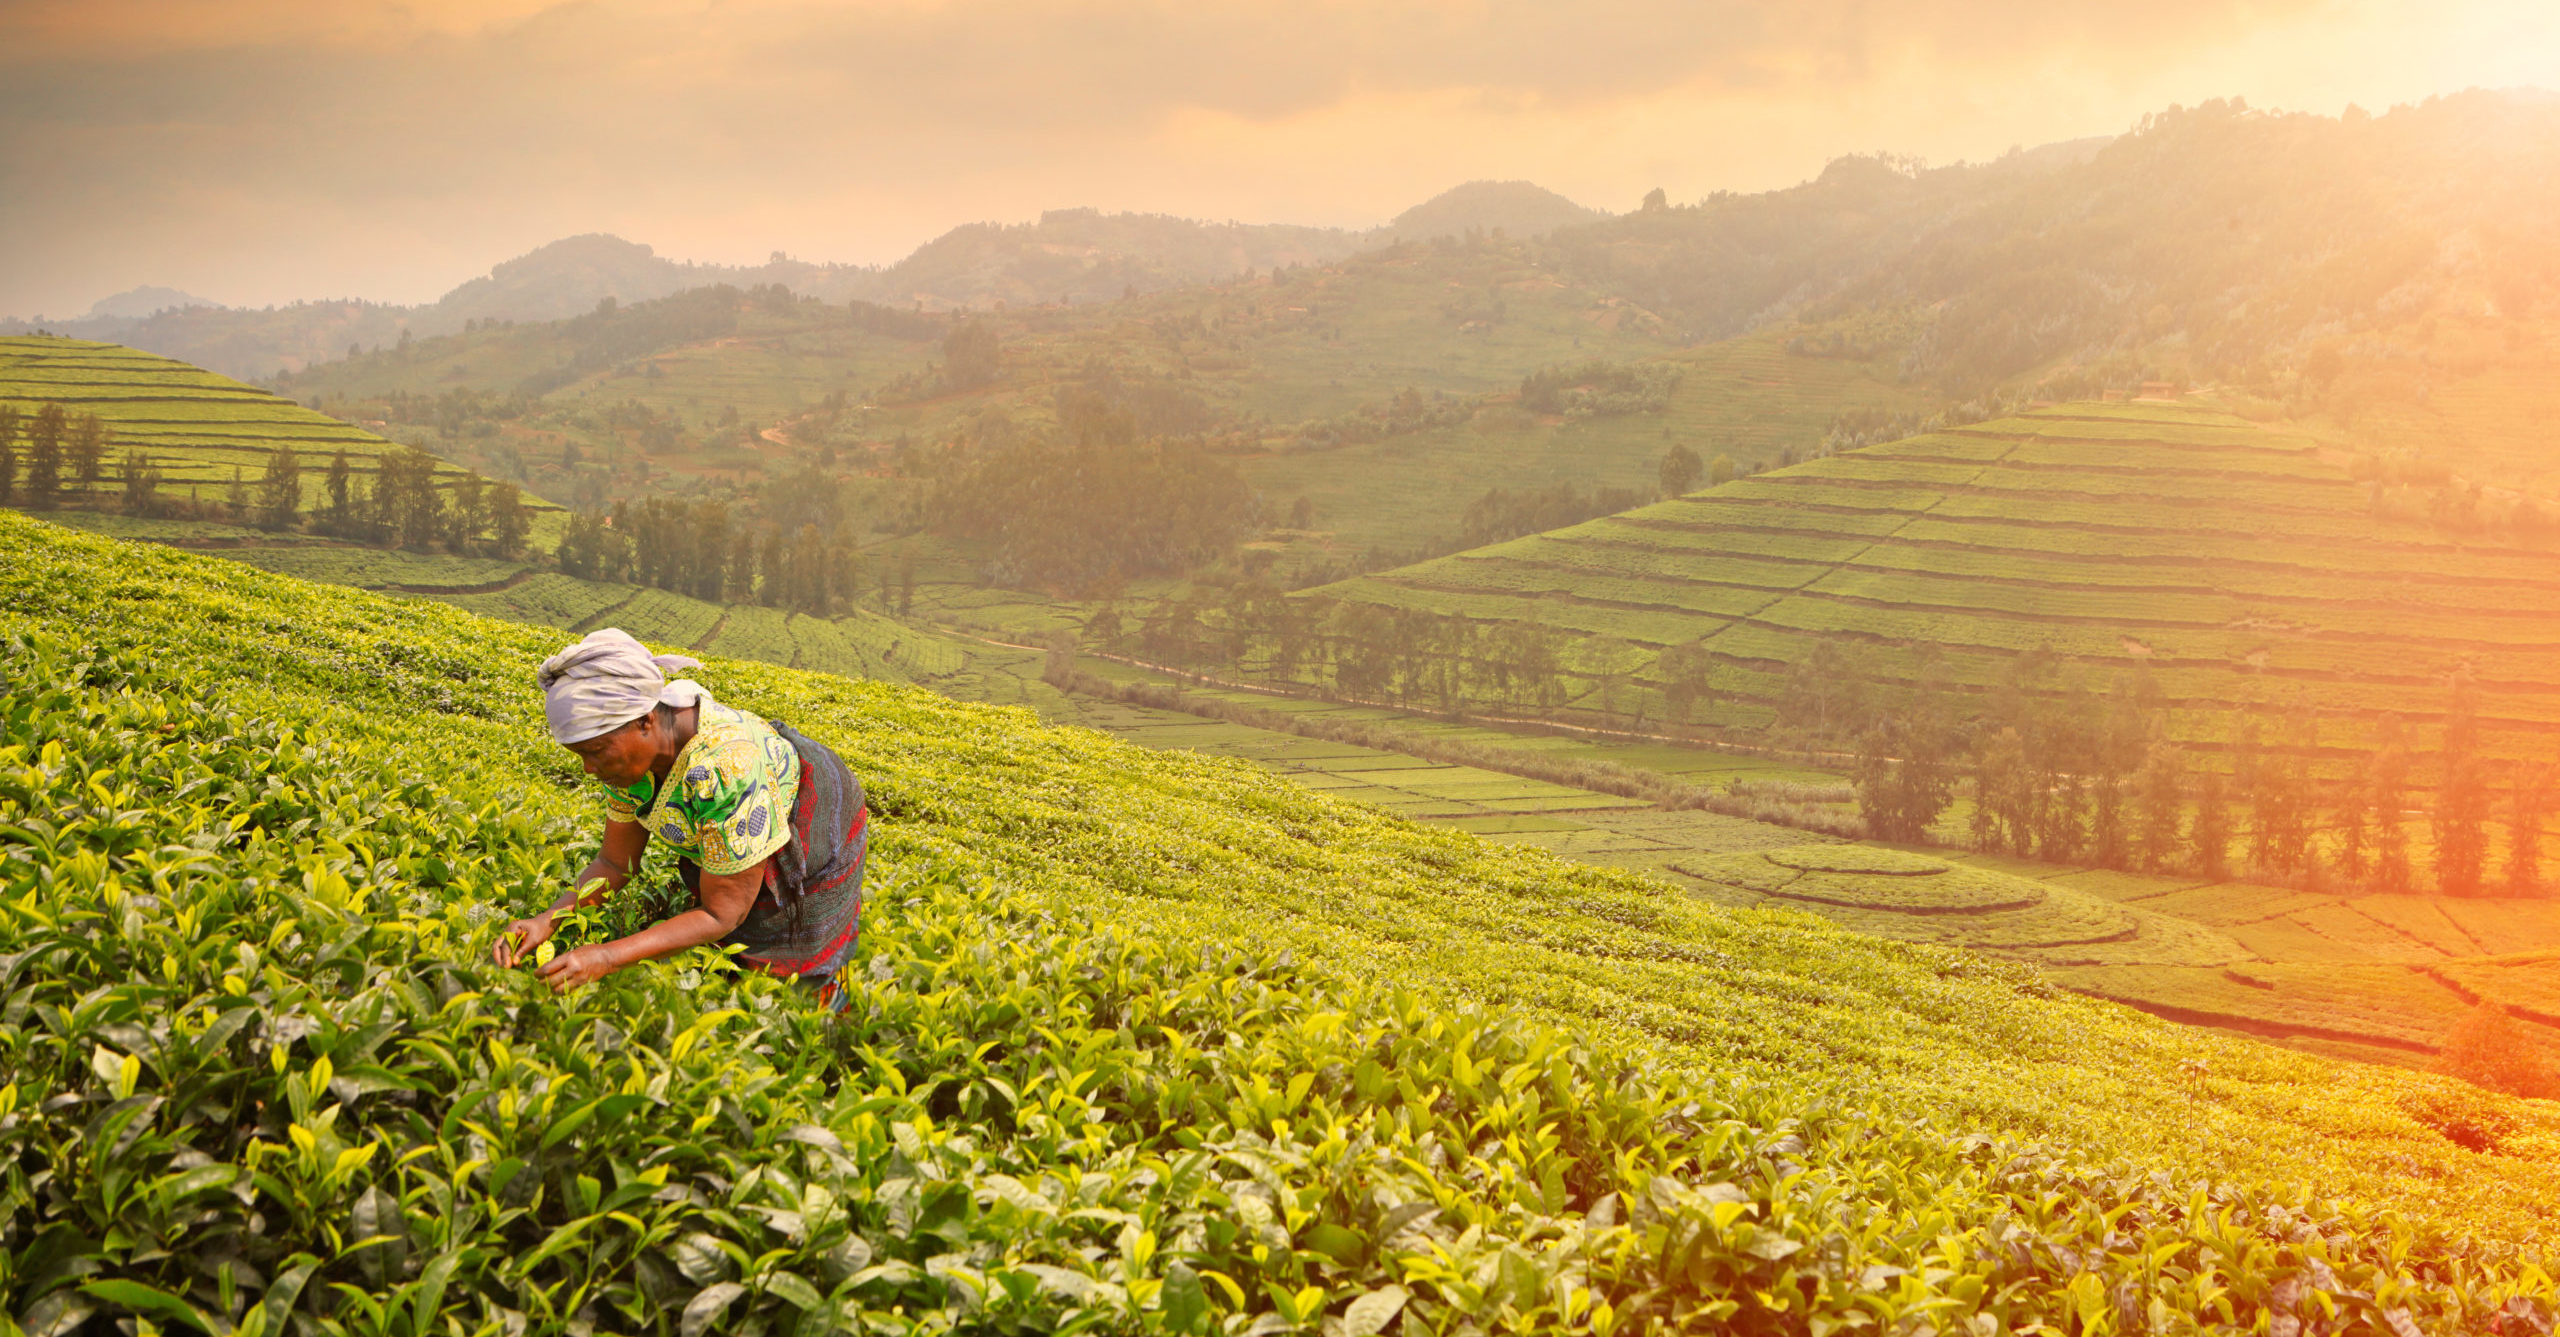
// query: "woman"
[[769, 826]]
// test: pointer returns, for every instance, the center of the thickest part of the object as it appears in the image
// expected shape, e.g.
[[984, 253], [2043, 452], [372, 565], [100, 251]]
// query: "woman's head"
[[620, 756], [601, 695]]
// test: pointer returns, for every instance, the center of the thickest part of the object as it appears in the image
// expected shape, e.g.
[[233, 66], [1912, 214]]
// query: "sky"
[[263, 151]]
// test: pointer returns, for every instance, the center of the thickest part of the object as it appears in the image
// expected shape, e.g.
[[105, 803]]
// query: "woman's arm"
[[721, 902], [624, 842]]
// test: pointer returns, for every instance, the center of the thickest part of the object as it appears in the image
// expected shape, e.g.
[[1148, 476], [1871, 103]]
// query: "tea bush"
[[1138, 1043]]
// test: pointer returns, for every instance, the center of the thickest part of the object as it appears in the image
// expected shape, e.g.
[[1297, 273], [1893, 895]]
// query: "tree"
[[405, 500], [141, 484], [1103, 627], [341, 496], [741, 587], [2210, 833], [2462, 801], [280, 490], [971, 356], [1905, 773], [2488, 1048], [2117, 753], [84, 447], [509, 521], [2159, 795], [1657, 201], [2003, 793], [466, 513], [2390, 810], [44, 457], [1684, 670], [2352, 818], [1680, 471], [235, 498], [1720, 472], [8, 453], [2529, 796]]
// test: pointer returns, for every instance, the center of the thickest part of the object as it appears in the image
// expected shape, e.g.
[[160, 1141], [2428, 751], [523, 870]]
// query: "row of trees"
[[61, 450], [798, 555], [1107, 497], [2058, 772], [400, 503], [2046, 766]]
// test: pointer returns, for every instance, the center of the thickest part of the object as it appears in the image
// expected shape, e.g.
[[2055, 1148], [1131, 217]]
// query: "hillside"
[[1515, 208], [1382, 389], [1143, 1040], [2240, 568], [1084, 255], [2264, 237], [199, 430]]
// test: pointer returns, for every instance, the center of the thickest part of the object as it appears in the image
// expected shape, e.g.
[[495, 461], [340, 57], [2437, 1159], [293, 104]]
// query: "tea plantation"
[[2244, 569], [198, 428], [1141, 1042]]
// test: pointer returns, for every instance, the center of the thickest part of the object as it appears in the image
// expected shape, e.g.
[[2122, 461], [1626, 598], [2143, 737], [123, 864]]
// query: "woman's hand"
[[579, 965], [521, 937]]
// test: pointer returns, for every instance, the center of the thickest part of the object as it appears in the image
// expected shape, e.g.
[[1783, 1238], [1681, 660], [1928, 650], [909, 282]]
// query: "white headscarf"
[[607, 681]]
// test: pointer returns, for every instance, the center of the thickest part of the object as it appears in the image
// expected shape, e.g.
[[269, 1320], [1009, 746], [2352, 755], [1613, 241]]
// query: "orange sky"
[[254, 151]]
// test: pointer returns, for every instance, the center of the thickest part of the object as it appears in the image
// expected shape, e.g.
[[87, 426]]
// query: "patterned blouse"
[[727, 803]]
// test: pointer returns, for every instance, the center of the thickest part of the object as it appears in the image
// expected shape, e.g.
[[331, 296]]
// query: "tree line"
[[2039, 764], [799, 554], [2051, 769], [1107, 496], [62, 451], [399, 503]]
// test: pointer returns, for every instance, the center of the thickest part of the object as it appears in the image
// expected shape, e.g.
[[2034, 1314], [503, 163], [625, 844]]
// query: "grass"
[[1922, 1100]]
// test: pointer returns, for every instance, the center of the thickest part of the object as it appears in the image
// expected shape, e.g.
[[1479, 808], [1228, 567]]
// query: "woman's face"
[[622, 756]]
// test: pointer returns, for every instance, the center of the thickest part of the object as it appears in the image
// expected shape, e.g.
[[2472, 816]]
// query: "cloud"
[[219, 144]]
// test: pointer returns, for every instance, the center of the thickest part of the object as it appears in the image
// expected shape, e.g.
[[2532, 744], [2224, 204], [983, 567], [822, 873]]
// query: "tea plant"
[[1137, 1043]]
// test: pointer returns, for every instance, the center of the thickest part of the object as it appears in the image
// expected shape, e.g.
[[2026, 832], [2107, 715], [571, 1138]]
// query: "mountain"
[[1085, 255], [1517, 208], [2214, 242], [134, 303], [568, 277], [1078, 255]]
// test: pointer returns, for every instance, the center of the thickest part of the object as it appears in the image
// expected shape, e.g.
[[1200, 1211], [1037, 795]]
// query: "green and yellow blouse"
[[727, 802]]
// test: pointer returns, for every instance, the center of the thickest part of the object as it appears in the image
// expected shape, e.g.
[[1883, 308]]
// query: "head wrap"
[[607, 681]]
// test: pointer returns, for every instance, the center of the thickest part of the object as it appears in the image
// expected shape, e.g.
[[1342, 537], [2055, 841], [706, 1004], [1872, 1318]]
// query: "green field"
[[1143, 1042], [2241, 568], [199, 429]]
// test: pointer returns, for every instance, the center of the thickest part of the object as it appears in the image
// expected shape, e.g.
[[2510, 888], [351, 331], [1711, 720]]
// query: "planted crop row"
[[1081, 1085]]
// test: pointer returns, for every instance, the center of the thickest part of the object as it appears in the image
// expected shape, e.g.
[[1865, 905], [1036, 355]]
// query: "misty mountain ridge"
[[1516, 208], [136, 303], [1076, 255]]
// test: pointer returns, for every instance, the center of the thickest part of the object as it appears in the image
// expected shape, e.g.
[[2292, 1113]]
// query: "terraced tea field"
[[198, 428], [2240, 566], [1112, 1006]]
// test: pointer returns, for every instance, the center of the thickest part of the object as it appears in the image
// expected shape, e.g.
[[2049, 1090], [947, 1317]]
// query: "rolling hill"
[[199, 429], [1107, 995], [2241, 568], [2372, 976], [1514, 208]]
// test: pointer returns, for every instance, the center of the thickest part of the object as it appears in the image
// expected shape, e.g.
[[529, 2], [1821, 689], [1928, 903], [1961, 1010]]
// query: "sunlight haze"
[[258, 151]]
